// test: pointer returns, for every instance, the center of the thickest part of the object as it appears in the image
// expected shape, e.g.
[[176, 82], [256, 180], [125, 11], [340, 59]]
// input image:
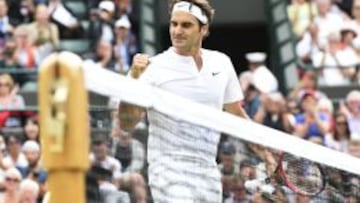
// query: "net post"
[[64, 126]]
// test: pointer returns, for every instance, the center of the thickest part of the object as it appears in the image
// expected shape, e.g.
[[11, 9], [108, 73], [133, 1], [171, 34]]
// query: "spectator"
[[337, 64], [42, 32], [12, 180], [101, 23], [352, 110], [26, 54], [248, 169], [327, 21], [100, 157], [263, 79], [252, 99], [238, 191], [8, 57], [348, 35], [325, 106], [6, 24], [125, 46], [14, 158], [123, 7], [21, 11], [310, 44], [8, 97], [31, 128], [108, 191], [227, 166], [301, 13], [341, 133], [34, 170], [311, 124], [308, 82], [273, 114], [131, 154], [68, 24], [104, 56], [29, 191]]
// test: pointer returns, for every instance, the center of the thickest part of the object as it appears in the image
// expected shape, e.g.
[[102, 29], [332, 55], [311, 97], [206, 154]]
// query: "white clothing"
[[306, 47], [20, 162], [328, 24], [179, 147], [110, 163], [331, 74], [264, 80]]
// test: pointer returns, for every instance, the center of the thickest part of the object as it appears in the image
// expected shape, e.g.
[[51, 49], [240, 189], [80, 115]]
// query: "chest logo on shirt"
[[215, 73]]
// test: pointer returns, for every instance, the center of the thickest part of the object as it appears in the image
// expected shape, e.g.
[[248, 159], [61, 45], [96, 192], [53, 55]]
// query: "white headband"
[[192, 9]]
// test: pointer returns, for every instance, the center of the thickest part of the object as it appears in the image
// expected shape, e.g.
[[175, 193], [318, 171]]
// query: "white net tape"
[[107, 83]]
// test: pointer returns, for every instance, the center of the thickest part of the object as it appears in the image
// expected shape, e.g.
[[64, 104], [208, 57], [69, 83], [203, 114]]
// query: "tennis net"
[[333, 176]]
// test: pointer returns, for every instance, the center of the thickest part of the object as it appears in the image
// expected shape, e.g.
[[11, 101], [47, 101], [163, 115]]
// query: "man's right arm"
[[129, 114]]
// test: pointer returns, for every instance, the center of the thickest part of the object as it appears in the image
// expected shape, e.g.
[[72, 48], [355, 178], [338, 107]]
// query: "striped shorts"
[[184, 183]]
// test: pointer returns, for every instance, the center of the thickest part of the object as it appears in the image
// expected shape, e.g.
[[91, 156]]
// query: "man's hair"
[[203, 4]]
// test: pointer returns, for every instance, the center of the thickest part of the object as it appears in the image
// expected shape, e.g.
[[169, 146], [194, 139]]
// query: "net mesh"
[[339, 173]]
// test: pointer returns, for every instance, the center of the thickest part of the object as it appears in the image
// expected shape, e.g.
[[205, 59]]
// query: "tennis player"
[[181, 156]]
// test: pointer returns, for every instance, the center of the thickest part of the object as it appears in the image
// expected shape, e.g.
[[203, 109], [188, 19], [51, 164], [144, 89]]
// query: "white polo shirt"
[[214, 85]]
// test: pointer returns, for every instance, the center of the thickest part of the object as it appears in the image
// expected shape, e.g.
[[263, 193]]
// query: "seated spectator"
[[301, 13], [101, 23], [15, 157], [29, 191], [310, 44], [31, 128], [68, 24], [21, 11], [125, 46], [34, 171], [252, 100], [325, 106], [337, 65], [123, 7], [308, 82], [99, 157], [327, 21], [42, 32], [131, 154], [341, 133], [107, 190], [8, 54], [238, 191], [352, 110], [311, 124], [348, 35], [26, 54], [8, 97], [273, 114], [104, 56], [12, 181], [248, 169], [227, 166], [6, 23]]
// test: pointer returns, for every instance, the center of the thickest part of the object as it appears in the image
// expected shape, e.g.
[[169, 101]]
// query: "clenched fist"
[[140, 62]]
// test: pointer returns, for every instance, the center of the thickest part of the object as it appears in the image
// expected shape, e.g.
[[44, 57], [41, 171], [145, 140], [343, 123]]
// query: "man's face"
[[185, 31], [100, 150], [32, 156]]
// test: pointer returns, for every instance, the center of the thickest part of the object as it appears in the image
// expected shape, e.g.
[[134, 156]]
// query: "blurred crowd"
[[327, 40], [327, 37]]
